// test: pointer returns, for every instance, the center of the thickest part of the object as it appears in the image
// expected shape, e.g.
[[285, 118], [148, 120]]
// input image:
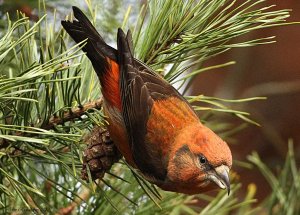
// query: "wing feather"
[[140, 88]]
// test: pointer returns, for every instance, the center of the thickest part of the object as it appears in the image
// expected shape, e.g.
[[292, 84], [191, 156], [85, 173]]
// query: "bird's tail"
[[96, 49]]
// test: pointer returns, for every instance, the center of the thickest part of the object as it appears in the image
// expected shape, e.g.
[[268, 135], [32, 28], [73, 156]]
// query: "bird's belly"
[[117, 131]]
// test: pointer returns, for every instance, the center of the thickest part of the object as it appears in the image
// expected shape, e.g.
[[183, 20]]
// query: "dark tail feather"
[[96, 49]]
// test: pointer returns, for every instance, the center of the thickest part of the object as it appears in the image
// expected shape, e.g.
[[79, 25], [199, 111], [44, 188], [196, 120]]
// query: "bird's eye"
[[202, 159]]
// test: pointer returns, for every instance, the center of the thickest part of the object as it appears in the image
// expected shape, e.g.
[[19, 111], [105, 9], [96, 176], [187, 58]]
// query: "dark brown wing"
[[140, 88], [96, 49]]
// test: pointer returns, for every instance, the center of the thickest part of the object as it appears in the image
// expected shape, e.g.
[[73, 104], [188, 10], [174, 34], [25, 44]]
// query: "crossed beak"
[[220, 176]]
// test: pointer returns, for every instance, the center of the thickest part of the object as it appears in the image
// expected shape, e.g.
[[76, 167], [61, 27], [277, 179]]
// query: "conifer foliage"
[[51, 107]]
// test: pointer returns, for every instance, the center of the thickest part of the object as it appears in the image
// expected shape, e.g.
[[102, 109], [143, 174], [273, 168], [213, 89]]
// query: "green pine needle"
[[41, 78]]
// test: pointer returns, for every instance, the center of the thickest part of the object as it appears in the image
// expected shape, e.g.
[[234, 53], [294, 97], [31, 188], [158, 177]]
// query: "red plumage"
[[153, 126]]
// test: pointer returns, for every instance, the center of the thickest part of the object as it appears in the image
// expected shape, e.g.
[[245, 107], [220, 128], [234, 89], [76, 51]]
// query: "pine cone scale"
[[100, 154]]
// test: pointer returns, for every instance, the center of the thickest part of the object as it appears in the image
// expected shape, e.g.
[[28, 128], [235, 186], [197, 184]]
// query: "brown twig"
[[151, 59], [74, 113], [83, 196]]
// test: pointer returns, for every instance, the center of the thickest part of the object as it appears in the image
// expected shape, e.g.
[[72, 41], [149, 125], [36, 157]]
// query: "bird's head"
[[200, 161]]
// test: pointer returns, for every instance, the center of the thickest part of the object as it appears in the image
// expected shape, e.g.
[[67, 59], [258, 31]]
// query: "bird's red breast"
[[167, 118]]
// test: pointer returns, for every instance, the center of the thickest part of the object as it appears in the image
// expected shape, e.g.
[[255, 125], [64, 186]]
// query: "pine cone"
[[100, 154]]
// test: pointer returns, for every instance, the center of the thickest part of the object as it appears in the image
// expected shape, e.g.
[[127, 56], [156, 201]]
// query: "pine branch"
[[162, 47], [47, 77], [74, 113], [285, 184], [82, 197]]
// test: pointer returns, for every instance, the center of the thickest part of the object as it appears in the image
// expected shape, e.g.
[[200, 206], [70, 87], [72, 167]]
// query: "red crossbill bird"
[[152, 125]]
